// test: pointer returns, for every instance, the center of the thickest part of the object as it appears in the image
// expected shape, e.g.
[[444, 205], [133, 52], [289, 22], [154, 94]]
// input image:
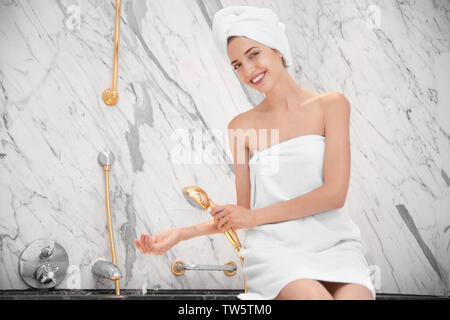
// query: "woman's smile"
[[259, 79]]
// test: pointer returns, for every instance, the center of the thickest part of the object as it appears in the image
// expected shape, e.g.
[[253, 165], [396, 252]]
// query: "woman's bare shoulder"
[[331, 98], [243, 120]]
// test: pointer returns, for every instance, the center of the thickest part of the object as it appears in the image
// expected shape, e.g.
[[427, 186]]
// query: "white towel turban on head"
[[259, 24]]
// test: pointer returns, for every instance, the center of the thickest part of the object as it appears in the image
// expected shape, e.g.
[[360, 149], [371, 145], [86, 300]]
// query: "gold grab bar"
[[111, 96], [178, 267], [106, 159]]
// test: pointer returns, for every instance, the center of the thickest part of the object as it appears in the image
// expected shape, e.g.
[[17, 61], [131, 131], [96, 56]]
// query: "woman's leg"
[[304, 289], [348, 291]]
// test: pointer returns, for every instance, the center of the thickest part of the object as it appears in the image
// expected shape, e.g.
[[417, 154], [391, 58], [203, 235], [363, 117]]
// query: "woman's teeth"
[[259, 77]]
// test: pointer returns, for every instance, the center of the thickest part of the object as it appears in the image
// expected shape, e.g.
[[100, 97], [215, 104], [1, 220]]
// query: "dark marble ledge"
[[127, 294], [134, 294]]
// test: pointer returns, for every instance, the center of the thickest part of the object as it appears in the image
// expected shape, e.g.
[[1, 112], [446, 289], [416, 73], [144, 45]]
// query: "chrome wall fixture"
[[43, 264], [107, 270]]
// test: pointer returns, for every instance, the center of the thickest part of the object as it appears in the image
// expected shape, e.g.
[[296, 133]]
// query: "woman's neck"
[[286, 95]]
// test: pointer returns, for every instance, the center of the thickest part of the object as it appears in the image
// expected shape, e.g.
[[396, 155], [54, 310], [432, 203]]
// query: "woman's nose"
[[248, 70]]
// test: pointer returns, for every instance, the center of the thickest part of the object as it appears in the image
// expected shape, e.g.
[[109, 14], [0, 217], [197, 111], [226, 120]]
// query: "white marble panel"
[[391, 60]]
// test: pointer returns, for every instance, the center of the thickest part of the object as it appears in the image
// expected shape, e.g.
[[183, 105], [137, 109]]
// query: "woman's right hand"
[[159, 243]]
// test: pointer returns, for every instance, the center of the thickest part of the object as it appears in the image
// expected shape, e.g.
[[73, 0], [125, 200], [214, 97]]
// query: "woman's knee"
[[351, 291], [304, 289]]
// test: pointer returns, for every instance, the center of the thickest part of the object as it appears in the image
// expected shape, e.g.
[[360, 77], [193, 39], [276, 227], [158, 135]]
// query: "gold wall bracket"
[[111, 96]]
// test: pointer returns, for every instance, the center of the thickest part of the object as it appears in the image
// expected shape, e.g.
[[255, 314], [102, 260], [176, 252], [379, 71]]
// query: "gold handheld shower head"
[[199, 199]]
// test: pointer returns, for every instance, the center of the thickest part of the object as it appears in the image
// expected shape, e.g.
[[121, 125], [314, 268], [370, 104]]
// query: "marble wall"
[[390, 58]]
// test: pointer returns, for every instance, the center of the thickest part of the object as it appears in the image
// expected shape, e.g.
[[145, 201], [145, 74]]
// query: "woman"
[[300, 240]]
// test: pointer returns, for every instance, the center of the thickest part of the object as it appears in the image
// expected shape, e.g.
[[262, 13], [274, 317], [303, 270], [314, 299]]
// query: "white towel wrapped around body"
[[259, 24], [324, 246]]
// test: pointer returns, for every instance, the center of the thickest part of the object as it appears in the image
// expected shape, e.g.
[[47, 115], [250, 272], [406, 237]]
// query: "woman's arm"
[[237, 141], [336, 170], [160, 243], [316, 201], [202, 229]]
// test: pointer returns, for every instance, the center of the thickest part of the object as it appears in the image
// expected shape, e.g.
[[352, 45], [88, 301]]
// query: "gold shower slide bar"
[[111, 96]]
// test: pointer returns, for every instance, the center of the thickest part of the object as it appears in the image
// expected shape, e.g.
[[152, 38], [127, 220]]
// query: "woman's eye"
[[253, 54]]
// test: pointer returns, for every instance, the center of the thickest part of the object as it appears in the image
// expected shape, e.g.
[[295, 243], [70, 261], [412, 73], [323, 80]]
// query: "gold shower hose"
[[106, 169]]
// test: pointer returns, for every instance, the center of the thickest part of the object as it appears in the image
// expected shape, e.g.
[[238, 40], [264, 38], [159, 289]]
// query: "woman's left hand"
[[231, 215]]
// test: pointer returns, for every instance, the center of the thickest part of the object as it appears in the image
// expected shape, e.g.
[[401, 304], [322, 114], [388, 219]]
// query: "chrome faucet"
[[106, 270]]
